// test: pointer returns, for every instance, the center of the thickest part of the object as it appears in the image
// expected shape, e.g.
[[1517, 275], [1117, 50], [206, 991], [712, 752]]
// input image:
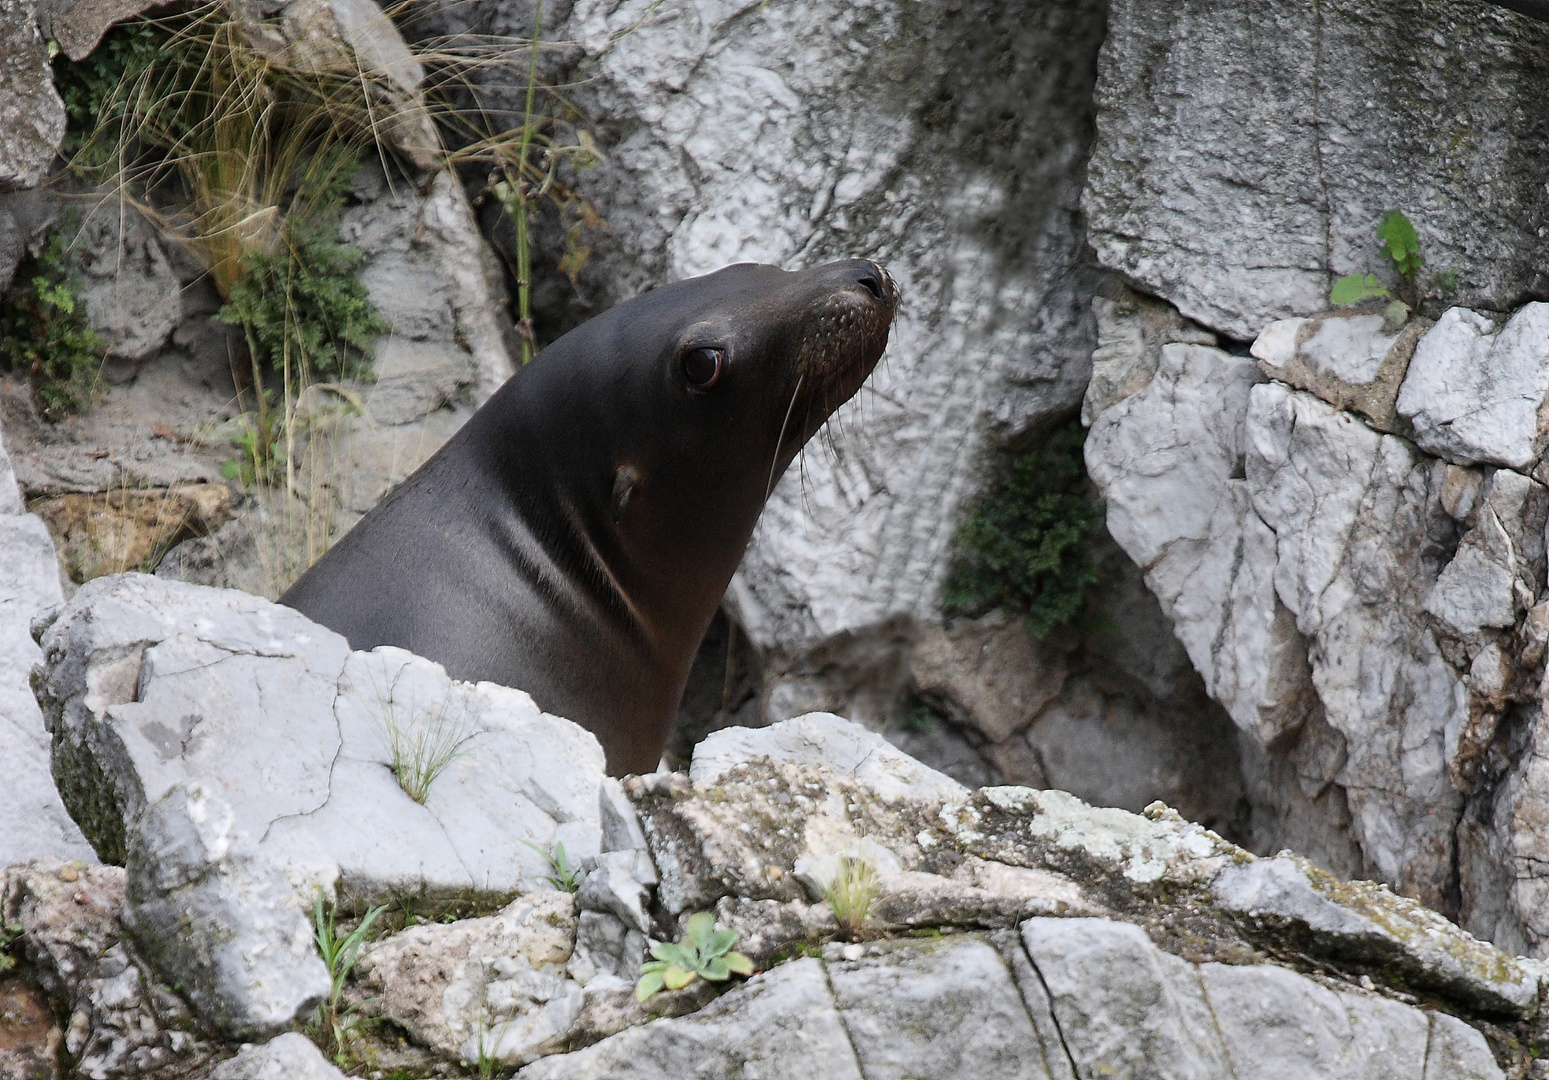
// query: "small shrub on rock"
[[1025, 544], [45, 335]]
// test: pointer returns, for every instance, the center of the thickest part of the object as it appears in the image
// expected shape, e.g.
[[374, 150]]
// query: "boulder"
[[131, 294], [291, 1056], [1474, 393], [1263, 176], [32, 116], [151, 683], [37, 824]]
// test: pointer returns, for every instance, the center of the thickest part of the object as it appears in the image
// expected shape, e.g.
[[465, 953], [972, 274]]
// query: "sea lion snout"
[[843, 333]]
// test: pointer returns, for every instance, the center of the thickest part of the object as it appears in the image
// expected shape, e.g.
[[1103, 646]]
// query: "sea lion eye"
[[702, 367]]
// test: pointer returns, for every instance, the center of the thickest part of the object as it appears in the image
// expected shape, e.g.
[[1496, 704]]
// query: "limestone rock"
[[829, 740], [1362, 924], [1131, 330], [989, 674], [291, 1056], [207, 909], [32, 117], [131, 294], [794, 137], [1263, 180], [36, 821], [937, 1008], [122, 1020], [151, 683], [1352, 360], [29, 1038], [78, 25], [495, 985], [781, 1025], [1474, 393]]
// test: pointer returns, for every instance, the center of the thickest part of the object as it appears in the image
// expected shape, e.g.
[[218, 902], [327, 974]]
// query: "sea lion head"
[[690, 401]]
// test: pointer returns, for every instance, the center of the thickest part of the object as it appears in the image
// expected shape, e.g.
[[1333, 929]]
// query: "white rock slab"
[[781, 1025], [152, 683], [945, 1007], [1124, 1007], [291, 1056], [824, 739], [1474, 394], [36, 823]]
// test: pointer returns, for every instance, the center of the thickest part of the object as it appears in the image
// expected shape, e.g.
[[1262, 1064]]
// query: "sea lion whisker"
[[775, 464]]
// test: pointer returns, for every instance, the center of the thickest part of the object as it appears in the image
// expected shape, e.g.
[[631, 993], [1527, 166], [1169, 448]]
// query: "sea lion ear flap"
[[624, 482]]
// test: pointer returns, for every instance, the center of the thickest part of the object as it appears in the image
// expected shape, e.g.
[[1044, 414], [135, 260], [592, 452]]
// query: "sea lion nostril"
[[871, 283]]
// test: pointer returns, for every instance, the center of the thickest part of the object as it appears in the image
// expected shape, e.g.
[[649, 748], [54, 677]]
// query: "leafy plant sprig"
[[1025, 544], [704, 953], [1400, 242], [564, 877], [9, 932], [332, 1024], [45, 335]]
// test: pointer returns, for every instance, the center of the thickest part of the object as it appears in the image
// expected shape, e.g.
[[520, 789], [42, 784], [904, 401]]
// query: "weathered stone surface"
[[29, 1038], [122, 1020], [36, 823], [822, 738], [495, 986], [291, 1056], [132, 296], [1362, 924], [794, 137], [32, 117], [1353, 360], [1263, 176], [989, 674], [151, 683], [943, 1008], [1474, 392], [1308, 565], [781, 1025], [219, 918], [130, 529], [1131, 330]]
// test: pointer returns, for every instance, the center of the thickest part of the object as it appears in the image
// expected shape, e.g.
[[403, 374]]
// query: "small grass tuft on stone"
[[850, 893], [563, 876], [332, 1023], [424, 744]]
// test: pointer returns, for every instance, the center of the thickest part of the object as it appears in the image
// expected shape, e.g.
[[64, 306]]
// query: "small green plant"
[[920, 717], [9, 932], [425, 745], [333, 1021], [704, 953], [45, 335], [850, 893], [1025, 543], [1400, 242], [90, 88], [307, 302], [562, 876]]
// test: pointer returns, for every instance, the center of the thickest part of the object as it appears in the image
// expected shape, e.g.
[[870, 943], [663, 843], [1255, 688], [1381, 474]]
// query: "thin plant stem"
[[523, 250]]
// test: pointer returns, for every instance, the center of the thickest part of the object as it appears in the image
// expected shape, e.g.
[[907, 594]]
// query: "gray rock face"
[[36, 821], [204, 905], [781, 1025], [122, 1021], [154, 684], [1264, 130], [32, 117], [1474, 392], [132, 297], [291, 1056], [795, 137]]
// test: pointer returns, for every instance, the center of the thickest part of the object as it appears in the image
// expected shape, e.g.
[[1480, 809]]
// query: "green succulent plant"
[[704, 953]]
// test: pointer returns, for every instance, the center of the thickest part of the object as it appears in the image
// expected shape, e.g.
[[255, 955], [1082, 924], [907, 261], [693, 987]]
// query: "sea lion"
[[575, 537]]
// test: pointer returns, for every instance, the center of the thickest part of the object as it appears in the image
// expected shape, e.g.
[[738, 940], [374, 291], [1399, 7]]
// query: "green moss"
[[45, 335], [1025, 544]]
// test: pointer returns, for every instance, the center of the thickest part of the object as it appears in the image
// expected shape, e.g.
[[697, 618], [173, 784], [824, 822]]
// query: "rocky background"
[[1320, 619]]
